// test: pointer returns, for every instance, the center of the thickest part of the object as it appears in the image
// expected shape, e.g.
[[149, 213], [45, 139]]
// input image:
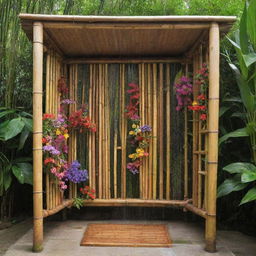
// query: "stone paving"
[[63, 238]]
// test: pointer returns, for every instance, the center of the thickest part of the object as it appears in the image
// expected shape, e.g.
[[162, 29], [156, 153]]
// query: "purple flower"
[[145, 128], [68, 101], [74, 174], [51, 150]]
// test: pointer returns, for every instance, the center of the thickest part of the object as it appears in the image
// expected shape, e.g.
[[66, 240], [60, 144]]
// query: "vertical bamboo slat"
[[168, 132], [123, 131], [160, 133], [150, 121], [154, 131]]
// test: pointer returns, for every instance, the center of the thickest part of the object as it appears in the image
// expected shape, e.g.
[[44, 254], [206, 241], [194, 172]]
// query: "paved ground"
[[63, 238]]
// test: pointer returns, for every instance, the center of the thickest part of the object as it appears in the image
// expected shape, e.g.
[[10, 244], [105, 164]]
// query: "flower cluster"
[[80, 121], [55, 149], [75, 174], [62, 86], [140, 134], [88, 192], [200, 103], [183, 92], [132, 108]]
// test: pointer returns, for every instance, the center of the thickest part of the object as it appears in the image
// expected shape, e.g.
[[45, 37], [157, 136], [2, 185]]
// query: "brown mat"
[[130, 235]]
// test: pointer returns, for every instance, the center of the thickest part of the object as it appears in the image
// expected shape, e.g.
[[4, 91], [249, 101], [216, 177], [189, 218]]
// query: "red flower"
[[201, 97], [48, 116], [203, 117], [49, 160], [44, 140]]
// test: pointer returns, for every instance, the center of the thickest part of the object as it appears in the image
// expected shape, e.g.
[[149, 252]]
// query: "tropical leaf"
[[27, 171], [28, 123], [247, 97], [230, 185], [23, 137], [6, 112], [249, 196], [239, 167], [13, 128], [243, 37], [251, 22], [223, 110], [249, 59], [18, 173], [235, 134], [248, 176]]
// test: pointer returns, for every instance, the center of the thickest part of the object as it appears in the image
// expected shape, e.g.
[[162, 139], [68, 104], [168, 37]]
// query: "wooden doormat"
[[129, 235]]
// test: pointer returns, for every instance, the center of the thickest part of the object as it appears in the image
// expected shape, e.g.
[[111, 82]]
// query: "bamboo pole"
[[142, 116], [186, 147], [160, 134], [146, 161], [123, 131], [90, 135], [37, 135], [154, 156], [150, 121], [47, 176], [213, 122], [99, 77], [168, 132], [108, 191]]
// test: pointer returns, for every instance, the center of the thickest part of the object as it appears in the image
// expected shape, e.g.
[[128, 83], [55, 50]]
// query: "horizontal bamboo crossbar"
[[196, 210], [78, 18], [126, 60], [66, 203], [129, 26], [136, 202]]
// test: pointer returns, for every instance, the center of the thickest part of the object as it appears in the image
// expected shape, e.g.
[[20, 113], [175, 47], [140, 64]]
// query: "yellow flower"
[[141, 154], [134, 126], [58, 132], [131, 132], [66, 136], [139, 150], [131, 156], [139, 130], [194, 103]]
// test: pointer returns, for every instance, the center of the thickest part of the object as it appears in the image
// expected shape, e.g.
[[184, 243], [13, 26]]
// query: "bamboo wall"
[[200, 138], [54, 70], [105, 153]]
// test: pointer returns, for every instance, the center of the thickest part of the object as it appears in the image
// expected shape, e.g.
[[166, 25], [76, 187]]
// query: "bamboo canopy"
[[99, 55]]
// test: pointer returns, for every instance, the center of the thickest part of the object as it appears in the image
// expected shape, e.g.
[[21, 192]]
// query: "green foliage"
[[15, 128], [78, 202], [244, 44]]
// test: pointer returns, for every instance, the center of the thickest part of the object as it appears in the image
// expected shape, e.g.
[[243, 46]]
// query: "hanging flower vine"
[[56, 132], [200, 105], [140, 135]]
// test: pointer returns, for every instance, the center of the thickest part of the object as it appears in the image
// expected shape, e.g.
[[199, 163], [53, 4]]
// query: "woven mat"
[[129, 235]]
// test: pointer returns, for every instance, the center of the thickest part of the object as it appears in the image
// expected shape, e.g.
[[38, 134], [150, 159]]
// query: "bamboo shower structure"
[[99, 56]]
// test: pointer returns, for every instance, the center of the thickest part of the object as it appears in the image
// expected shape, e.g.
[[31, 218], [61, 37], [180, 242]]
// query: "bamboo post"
[[213, 126], [168, 132], [37, 135]]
